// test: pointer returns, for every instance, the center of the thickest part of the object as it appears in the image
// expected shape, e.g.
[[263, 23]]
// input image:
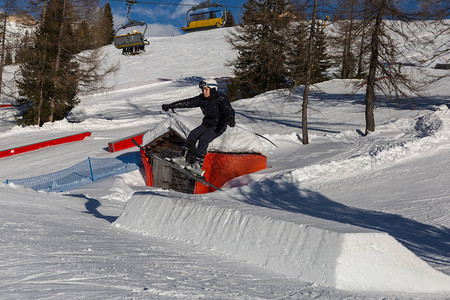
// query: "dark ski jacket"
[[217, 110]]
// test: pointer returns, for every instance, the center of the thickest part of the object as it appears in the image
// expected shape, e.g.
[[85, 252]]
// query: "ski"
[[177, 167]]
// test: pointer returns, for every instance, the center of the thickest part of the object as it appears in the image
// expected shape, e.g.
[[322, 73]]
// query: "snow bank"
[[299, 246], [419, 135]]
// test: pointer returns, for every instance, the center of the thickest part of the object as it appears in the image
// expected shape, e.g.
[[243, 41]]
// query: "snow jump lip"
[[333, 254], [47, 143]]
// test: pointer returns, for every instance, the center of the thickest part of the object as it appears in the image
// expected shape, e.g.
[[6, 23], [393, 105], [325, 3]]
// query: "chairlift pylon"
[[134, 42], [207, 19]]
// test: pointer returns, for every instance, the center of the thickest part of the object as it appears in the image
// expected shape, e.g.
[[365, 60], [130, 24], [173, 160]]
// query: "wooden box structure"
[[220, 167]]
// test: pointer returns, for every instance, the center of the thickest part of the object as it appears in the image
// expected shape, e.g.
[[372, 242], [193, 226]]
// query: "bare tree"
[[305, 138], [390, 26], [345, 17], [3, 23], [362, 43], [10, 12]]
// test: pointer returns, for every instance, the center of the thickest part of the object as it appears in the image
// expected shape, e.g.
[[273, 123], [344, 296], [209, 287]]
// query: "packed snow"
[[345, 217]]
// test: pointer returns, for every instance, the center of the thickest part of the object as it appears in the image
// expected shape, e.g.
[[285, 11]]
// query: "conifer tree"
[[296, 55], [107, 25], [261, 42], [230, 20], [84, 36], [53, 70], [49, 81], [320, 60], [24, 48]]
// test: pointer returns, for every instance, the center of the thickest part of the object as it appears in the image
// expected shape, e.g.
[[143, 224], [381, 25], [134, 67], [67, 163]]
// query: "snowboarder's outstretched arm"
[[186, 103]]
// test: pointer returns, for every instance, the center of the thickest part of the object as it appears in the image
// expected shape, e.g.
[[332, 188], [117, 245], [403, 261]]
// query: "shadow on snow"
[[429, 242], [91, 208]]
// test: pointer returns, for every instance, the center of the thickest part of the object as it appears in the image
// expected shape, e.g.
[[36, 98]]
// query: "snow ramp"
[[300, 246]]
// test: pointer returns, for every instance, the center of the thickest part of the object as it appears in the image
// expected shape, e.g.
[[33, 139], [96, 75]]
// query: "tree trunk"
[[347, 64], [305, 139], [361, 47], [3, 45], [370, 91], [58, 60], [41, 92]]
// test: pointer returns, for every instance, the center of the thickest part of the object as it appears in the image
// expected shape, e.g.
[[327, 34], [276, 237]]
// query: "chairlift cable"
[[172, 4]]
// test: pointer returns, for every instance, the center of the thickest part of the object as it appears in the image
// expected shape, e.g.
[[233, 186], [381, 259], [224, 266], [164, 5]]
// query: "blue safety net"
[[87, 171]]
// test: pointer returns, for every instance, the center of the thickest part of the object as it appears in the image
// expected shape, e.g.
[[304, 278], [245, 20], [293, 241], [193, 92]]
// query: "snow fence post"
[[90, 168]]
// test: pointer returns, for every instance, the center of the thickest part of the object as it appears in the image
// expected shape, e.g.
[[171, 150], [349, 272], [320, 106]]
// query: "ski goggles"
[[203, 84]]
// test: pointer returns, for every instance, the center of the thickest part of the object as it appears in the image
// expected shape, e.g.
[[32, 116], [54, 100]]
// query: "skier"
[[217, 112]]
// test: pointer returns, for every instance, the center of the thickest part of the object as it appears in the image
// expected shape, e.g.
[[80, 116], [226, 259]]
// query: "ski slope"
[[344, 217]]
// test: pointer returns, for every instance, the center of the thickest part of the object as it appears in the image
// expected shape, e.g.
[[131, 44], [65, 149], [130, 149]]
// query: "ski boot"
[[196, 166], [180, 160]]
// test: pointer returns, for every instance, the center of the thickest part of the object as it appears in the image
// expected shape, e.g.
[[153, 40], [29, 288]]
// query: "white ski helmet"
[[211, 83]]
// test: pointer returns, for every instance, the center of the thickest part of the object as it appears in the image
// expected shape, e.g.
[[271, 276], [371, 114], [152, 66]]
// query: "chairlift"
[[134, 42], [206, 19]]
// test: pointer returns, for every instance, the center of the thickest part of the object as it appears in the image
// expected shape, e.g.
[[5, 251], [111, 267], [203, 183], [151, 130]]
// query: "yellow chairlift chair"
[[134, 42], [207, 19]]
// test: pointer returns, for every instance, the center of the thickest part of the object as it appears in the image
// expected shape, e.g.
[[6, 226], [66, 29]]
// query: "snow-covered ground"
[[345, 217]]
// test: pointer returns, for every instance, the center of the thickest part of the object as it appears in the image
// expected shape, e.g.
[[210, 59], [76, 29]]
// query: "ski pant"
[[204, 135]]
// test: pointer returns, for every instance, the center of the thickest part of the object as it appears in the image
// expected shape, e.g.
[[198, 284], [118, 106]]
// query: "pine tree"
[[296, 58], [84, 37], [107, 25], [261, 42], [25, 46], [320, 60], [230, 20], [49, 80]]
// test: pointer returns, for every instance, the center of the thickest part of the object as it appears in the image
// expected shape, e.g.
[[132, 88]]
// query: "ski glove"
[[166, 107], [231, 122]]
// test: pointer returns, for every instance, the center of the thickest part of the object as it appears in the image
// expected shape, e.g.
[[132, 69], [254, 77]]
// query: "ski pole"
[[257, 134], [178, 123]]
